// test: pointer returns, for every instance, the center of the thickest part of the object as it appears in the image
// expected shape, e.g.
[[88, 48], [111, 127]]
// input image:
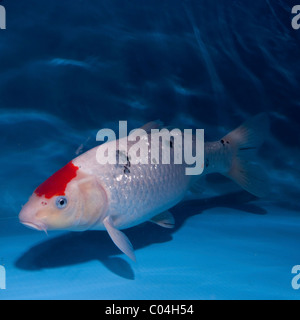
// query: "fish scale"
[[137, 196]]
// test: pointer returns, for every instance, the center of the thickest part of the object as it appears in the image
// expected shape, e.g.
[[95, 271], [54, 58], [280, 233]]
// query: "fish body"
[[86, 195]]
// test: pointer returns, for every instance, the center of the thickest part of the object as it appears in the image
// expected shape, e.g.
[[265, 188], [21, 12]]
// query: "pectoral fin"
[[119, 238], [164, 219]]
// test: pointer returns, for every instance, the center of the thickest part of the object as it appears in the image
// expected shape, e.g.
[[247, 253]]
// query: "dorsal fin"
[[157, 124]]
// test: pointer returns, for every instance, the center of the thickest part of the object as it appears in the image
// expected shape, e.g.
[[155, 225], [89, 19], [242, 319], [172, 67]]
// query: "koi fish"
[[85, 195]]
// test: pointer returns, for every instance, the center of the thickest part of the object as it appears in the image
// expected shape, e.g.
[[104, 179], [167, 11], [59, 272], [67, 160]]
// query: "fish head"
[[68, 200]]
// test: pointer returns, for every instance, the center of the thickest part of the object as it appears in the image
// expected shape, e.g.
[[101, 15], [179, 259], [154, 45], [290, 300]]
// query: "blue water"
[[70, 68]]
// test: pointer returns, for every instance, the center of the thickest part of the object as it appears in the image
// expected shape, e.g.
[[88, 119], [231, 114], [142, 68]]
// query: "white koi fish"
[[85, 195]]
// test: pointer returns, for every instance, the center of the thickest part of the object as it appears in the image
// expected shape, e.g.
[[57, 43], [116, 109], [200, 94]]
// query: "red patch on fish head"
[[56, 185]]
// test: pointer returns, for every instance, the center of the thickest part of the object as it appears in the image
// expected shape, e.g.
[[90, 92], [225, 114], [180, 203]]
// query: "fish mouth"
[[34, 226]]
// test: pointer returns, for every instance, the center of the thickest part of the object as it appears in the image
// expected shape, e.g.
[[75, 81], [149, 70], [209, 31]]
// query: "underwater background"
[[69, 68]]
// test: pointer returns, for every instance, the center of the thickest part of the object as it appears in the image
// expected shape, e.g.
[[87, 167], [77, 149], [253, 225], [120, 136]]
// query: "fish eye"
[[61, 202]]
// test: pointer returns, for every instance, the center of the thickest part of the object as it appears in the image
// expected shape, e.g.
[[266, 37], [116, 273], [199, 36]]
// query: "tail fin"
[[245, 140]]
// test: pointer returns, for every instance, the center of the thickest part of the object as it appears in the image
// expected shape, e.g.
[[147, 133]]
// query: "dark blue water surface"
[[69, 68]]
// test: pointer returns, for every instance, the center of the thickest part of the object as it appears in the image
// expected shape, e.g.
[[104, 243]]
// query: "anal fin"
[[119, 238], [164, 219]]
